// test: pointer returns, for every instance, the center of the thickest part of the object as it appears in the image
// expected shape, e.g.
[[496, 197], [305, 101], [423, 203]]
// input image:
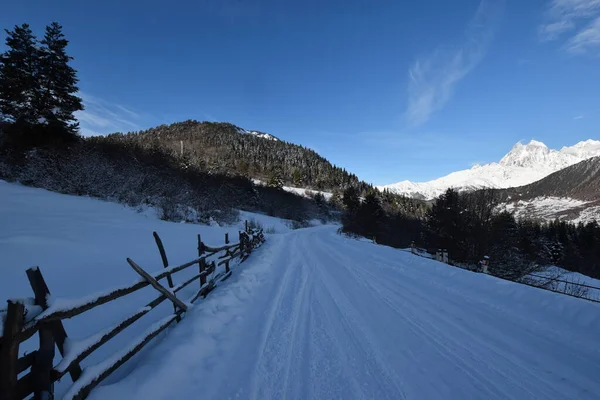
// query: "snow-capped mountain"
[[524, 164]]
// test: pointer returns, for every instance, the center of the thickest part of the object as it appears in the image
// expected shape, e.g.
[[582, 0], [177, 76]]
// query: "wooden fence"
[[26, 317]]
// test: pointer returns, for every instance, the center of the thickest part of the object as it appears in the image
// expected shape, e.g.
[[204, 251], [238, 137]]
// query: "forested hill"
[[227, 149]]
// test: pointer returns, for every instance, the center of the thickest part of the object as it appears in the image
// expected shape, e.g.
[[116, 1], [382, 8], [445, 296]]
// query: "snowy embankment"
[[563, 281], [81, 245]]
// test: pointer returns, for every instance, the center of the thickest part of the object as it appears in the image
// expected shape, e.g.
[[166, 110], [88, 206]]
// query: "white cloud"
[[432, 78], [101, 117], [578, 117], [586, 39], [575, 21]]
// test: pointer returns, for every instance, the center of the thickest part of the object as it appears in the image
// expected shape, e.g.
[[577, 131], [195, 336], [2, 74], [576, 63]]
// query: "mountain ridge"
[[572, 194], [522, 165]]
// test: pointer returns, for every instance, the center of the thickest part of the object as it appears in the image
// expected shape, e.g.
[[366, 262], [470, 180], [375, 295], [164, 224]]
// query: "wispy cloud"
[[577, 22], [432, 78], [578, 117], [102, 117]]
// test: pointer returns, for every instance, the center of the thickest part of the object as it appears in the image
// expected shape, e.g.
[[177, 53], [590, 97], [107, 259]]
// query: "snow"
[[306, 192], [311, 315], [261, 135], [588, 214], [524, 164], [314, 315], [549, 208], [93, 372], [81, 245], [563, 274]]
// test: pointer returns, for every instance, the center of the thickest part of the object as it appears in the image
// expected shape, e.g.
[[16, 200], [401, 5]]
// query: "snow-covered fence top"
[[23, 318]]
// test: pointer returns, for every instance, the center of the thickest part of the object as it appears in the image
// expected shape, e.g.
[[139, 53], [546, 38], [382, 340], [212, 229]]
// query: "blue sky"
[[390, 90]]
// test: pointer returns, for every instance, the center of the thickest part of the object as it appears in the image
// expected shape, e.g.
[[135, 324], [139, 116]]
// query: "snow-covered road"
[[313, 315]]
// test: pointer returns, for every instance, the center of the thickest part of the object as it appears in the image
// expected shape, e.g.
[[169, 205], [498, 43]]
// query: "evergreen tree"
[[351, 199], [447, 224], [19, 78], [371, 216], [58, 101], [297, 178], [275, 180], [335, 200]]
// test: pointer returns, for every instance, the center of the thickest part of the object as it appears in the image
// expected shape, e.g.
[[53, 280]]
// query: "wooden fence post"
[[200, 246], [163, 256], [226, 238], [9, 353], [202, 269], [243, 244], [246, 230], [50, 333]]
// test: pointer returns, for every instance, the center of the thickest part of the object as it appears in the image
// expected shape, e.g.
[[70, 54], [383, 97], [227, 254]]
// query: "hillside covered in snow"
[[572, 194], [524, 164]]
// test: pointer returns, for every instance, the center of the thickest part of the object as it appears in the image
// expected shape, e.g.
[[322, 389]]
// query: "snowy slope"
[[549, 208], [80, 245], [314, 315], [306, 192], [524, 164]]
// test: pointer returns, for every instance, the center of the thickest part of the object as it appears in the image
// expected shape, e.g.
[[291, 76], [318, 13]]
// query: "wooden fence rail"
[[42, 374]]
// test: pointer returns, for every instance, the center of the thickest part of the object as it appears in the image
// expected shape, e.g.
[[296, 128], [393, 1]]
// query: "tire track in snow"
[[388, 384], [413, 322], [443, 339], [374, 297], [278, 346], [498, 344]]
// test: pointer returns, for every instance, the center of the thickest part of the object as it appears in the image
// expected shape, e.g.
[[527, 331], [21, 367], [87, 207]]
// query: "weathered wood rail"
[[25, 317]]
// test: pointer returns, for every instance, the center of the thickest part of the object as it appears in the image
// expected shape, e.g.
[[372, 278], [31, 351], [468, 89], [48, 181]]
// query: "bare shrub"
[[574, 288]]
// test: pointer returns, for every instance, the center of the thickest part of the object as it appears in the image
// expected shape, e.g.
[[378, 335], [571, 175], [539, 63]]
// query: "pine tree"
[[371, 215], [297, 177], [58, 101], [19, 79], [351, 200], [336, 199], [275, 180]]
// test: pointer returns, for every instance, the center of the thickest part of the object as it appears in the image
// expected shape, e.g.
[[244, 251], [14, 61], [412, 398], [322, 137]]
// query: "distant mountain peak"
[[522, 165], [536, 143], [527, 155]]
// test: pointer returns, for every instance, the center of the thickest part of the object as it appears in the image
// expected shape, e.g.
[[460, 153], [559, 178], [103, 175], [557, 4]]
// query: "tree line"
[[470, 227]]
